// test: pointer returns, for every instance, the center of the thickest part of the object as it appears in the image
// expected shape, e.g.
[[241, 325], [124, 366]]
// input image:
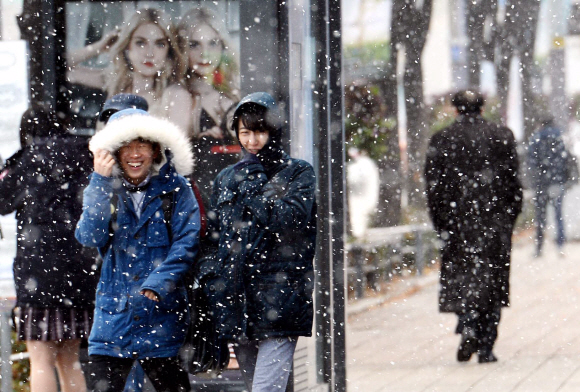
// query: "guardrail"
[[399, 241]]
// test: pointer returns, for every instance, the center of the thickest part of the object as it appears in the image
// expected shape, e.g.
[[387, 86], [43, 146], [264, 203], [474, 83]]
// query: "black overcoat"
[[474, 197], [43, 183]]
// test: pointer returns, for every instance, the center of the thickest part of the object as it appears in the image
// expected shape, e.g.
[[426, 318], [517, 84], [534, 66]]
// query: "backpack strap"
[[167, 202], [113, 203], [114, 210], [202, 215]]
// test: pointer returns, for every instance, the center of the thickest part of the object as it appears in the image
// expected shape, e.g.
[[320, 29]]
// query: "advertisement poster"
[[155, 49]]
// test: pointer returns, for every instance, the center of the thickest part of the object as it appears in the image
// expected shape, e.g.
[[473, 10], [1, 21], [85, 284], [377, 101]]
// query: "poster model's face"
[[204, 49], [147, 50]]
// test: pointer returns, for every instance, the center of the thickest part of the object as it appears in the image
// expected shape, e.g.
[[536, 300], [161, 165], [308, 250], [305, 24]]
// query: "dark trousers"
[[108, 374], [544, 197], [484, 324]]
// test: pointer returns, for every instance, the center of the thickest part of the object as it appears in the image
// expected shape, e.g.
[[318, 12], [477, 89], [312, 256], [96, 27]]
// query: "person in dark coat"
[[263, 218], [474, 197], [547, 158], [53, 274]]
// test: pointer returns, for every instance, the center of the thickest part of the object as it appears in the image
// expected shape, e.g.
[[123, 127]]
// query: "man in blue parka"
[[141, 213], [263, 216]]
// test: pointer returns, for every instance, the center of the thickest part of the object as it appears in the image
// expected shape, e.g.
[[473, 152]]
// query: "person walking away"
[[148, 244], [474, 197], [53, 275], [263, 215], [547, 158]]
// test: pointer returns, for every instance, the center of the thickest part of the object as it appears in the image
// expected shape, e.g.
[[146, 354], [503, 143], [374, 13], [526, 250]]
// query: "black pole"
[[323, 314], [329, 94], [49, 48], [337, 166]]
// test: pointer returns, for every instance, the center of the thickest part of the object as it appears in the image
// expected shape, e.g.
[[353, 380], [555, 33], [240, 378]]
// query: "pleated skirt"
[[52, 324]]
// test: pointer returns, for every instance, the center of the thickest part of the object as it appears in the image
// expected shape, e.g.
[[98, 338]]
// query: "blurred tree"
[[481, 29], [517, 37], [409, 27], [499, 34]]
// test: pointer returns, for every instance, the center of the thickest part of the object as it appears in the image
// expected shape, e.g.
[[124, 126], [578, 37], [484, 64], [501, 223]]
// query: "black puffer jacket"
[[260, 277], [43, 183]]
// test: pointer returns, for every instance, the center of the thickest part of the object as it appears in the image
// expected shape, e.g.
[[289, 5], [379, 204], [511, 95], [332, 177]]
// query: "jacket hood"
[[272, 115], [265, 106], [124, 129]]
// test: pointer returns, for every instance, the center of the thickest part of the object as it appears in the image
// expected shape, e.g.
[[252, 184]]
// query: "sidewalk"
[[406, 345]]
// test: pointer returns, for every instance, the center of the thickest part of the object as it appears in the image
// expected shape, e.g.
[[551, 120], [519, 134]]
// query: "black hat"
[[120, 102], [468, 101]]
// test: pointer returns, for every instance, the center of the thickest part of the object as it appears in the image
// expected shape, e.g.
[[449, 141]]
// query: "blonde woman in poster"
[[145, 60], [211, 79]]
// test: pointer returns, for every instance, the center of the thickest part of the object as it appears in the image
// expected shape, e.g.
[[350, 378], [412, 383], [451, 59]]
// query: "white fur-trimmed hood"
[[127, 128]]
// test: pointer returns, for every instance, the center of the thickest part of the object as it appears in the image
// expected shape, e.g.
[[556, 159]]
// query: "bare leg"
[[42, 362], [69, 369]]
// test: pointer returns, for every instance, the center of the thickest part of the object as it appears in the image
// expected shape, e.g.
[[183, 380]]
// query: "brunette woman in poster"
[[211, 79], [145, 60]]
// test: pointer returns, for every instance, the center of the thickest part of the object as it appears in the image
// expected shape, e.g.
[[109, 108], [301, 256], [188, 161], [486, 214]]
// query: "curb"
[[400, 289]]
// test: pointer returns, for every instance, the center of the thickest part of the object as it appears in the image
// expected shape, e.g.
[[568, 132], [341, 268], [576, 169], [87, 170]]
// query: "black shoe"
[[468, 345], [486, 356]]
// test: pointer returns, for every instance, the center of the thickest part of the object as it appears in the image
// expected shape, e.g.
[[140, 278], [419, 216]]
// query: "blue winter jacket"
[[142, 254]]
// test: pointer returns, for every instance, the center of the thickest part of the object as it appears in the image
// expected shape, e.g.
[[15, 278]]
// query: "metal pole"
[[323, 314], [5, 350], [359, 260], [49, 58], [331, 286], [338, 216], [419, 252]]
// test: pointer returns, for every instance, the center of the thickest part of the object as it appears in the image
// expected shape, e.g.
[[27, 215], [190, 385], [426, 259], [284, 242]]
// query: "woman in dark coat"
[[54, 276], [474, 197], [263, 212]]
